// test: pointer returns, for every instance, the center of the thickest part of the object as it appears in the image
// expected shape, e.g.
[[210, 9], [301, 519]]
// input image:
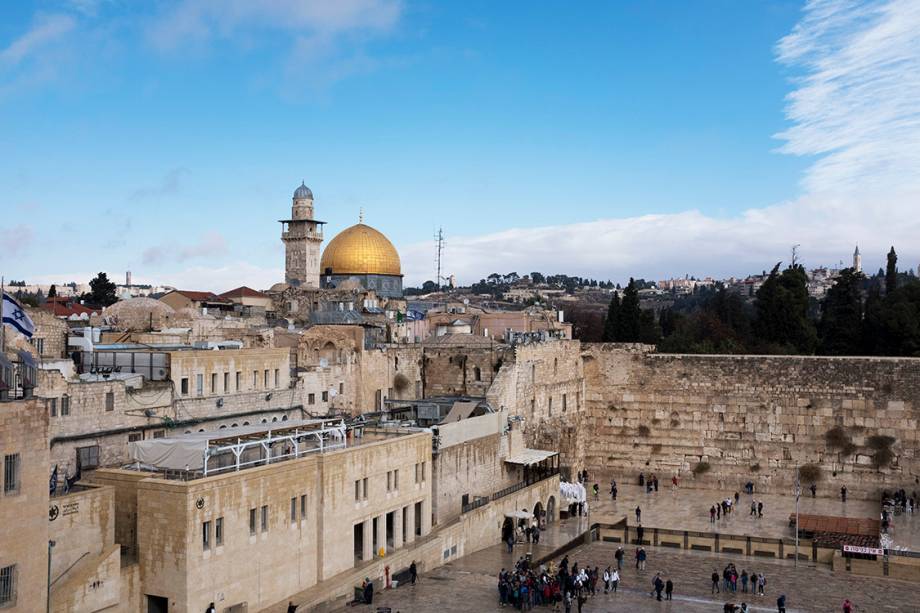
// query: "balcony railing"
[[544, 474]]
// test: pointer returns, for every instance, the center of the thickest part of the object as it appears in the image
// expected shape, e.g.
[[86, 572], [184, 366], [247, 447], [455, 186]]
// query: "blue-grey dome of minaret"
[[303, 192]]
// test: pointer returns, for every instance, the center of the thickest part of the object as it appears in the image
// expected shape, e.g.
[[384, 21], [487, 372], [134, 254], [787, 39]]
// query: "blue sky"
[[605, 139]]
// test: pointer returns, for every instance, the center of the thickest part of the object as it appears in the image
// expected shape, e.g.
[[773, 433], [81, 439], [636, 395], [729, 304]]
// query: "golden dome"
[[360, 250]]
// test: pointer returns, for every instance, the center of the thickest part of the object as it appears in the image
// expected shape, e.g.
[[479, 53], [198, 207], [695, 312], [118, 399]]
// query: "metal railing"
[[484, 500]]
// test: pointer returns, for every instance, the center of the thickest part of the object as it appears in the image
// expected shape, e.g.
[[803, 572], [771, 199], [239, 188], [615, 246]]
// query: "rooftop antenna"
[[439, 244]]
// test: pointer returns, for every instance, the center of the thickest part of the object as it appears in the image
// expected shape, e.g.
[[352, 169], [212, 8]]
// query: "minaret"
[[302, 236], [857, 260]]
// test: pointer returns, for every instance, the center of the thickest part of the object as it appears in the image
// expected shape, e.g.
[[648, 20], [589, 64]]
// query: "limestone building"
[[302, 236]]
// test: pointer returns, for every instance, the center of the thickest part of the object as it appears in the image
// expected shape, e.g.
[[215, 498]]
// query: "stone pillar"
[[426, 516], [381, 533], [368, 551], [410, 523], [397, 528]]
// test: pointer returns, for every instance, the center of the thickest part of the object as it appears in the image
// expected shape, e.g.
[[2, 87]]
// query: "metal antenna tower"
[[439, 245]]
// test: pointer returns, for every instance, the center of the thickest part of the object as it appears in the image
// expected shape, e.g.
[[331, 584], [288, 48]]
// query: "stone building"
[[297, 521], [50, 336], [302, 236]]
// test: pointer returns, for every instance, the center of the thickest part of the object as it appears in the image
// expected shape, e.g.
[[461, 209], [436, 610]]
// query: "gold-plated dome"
[[360, 250]]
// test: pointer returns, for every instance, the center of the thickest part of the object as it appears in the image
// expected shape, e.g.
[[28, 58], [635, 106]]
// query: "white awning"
[[530, 456], [519, 514]]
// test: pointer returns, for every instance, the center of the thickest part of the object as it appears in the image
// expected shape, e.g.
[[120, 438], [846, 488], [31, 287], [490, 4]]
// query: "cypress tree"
[[842, 317], [891, 272], [613, 316], [629, 323]]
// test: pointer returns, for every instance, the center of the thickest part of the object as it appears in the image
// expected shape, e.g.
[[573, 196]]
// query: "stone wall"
[[458, 370], [544, 384], [749, 417], [24, 509]]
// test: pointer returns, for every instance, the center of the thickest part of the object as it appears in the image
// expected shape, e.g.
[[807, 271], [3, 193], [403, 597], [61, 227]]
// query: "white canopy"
[[519, 514], [186, 452]]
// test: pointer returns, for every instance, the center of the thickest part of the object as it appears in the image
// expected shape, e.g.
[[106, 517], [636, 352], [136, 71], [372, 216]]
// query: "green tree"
[[840, 328], [52, 291], [613, 317], [782, 324], [891, 272], [102, 291], [629, 320]]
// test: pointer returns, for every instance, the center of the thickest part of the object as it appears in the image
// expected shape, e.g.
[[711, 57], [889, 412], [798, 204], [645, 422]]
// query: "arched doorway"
[[551, 510], [507, 529], [538, 510]]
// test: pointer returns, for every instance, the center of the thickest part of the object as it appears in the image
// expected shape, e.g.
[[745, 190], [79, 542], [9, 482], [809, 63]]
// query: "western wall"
[[718, 421]]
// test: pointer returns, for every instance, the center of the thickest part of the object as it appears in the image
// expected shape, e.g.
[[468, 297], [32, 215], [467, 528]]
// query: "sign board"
[[872, 551]]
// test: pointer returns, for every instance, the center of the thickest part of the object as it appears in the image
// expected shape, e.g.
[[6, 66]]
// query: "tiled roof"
[[200, 296], [243, 292]]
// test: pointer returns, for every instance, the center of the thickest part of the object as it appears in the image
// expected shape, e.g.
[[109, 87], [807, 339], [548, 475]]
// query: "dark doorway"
[[359, 541], [375, 531], [418, 519], [157, 604], [405, 524], [390, 532]]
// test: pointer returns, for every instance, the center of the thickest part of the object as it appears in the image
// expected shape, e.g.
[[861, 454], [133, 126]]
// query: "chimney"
[[128, 278]]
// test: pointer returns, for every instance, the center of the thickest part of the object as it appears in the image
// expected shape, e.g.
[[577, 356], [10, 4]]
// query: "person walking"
[[843, 493], [814, 490], [712, 514], [754, 507], [668, 589], [640, 532], [642, 558], [659, 587], [292, 608], [760, 509], [715, 582], [719, 510], [781, 604], [618, 556], [638, 515], [655, 482], [614, 581], [847, 606], [413, 573], [607, 575], [761, 583]]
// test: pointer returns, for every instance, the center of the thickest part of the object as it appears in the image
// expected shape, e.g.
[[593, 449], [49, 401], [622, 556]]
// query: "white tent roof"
[[186, 452], [530, 456]]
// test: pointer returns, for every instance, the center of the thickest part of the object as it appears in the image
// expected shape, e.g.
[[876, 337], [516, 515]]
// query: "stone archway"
[[551, 510], [538, 510]]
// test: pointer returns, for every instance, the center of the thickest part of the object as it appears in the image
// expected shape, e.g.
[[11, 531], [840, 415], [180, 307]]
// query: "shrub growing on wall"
[[644, 431], [881, 446], [810, 473], [701, 468], [400, 382]]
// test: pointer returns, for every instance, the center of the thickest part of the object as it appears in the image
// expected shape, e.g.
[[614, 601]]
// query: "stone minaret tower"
[[857, 260], [302, 236]]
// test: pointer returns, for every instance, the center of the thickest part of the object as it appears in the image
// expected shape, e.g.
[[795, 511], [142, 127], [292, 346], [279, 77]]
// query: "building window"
[[39, 344], [88, 457], [533, 406], [252, 522], [565, 404], [303, 507], [206, 535], [52, 406], [65, 405], [159, 434], [110, 401], [183, 386], [265, 383], [357, 490], [11, 474], [134, 437], [277, 378], [226, 382], [264, 518], [219, 531], [311, 398], [364, 487], [389, 480], [423, 472], [477, 374], [199, 385], [341, 388], [213, 382], [255, 379], [555, 366], [396, 479], [325, 396], [239, 380], [7, 585], [550, 405]]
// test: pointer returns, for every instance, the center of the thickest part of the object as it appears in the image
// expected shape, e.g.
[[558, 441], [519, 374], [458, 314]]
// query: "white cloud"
[[858, 105], [45, 30], [199, 20], [210, 245], [221, 278]]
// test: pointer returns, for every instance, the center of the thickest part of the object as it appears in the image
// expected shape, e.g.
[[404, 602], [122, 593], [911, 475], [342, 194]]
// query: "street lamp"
[[798, 492], [48, 593]]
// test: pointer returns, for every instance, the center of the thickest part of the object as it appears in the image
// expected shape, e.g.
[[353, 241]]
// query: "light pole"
[[798, 491], [48, 592]]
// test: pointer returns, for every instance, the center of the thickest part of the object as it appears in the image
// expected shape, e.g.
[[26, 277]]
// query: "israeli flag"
[[15, 315]]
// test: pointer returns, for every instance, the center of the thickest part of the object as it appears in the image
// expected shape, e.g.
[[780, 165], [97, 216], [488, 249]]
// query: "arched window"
[[264, 421], [284, 418], [245, 423], [235, 426], [274, 419], [222, 426]]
